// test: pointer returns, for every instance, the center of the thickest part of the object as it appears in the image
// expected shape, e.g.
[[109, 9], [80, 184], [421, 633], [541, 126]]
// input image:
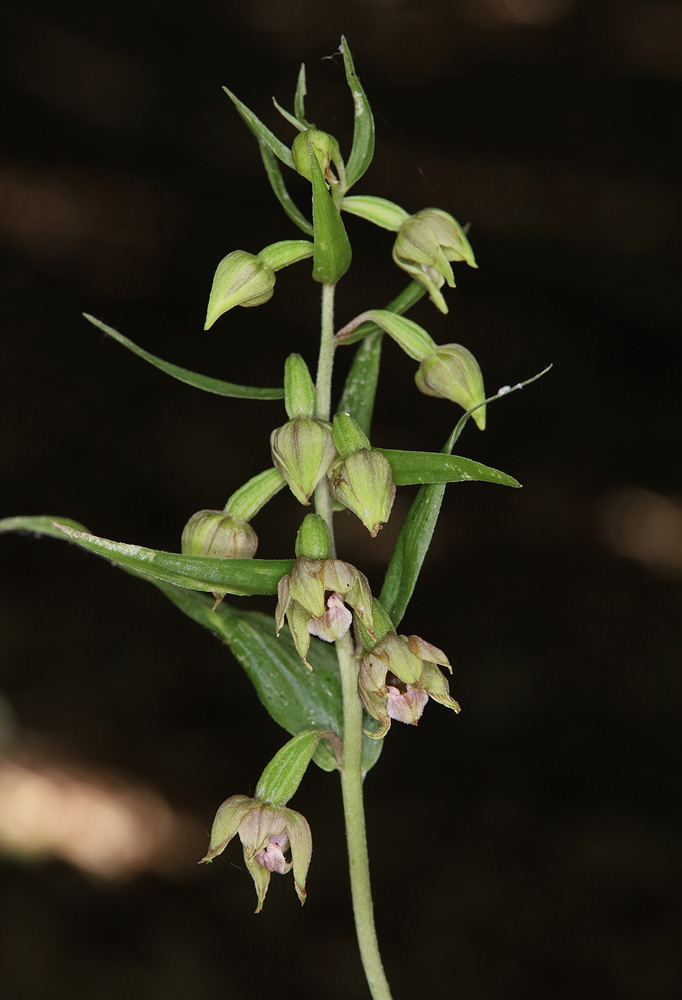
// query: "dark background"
[[527, 848]]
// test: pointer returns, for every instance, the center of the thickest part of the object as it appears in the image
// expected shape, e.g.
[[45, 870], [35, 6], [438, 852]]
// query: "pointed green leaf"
[[292, 119], [363, 130], [417, 530], [332, 253], [262, 132], [40, 525], [411, 468], [299, 97], [213, 385], [274, 173], [237, 576], [295, 698]]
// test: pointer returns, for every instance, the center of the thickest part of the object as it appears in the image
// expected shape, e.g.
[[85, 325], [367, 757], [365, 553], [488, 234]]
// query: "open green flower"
[[398, 676], [426, 243], [267, 832]]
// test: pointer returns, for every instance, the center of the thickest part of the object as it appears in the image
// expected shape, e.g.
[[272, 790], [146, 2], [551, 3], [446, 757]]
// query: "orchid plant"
[[330, 665]]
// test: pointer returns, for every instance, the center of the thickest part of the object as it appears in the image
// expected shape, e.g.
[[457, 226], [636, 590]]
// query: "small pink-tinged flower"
[[315, 598], [266, 833], [398, 676]]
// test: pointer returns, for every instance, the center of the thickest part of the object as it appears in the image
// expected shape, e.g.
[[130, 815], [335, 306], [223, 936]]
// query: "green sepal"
[[380, 211], [282, 776], [412, 468], [214, 385], [233, 576], [274, 175], [295, 698], [363, 123], [262, 132], [382, 625], [332, 252]]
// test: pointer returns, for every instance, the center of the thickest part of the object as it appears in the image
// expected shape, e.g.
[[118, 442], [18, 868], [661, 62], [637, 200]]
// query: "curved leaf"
[[363, 129], [361, 383], [214, 385], [235, 576], [274, 173], [295, 698], [411, 468], [262, 132]]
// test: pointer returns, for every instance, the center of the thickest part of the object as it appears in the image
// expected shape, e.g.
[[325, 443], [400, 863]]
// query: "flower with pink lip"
[[266, 832], [398, 676]]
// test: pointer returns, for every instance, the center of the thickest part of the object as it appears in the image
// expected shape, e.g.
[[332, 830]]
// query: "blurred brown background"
[[527, 848]]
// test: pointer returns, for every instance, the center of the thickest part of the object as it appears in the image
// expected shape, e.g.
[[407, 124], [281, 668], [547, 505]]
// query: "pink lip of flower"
[[272, 855], [334, 623], [405, 706]]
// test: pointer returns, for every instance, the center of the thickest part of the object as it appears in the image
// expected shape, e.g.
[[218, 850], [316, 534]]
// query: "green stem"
[[354, 812], [351, 773], [325, 362]]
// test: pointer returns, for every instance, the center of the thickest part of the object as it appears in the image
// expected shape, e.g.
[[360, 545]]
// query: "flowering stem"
[[351, 773], [354, 812]]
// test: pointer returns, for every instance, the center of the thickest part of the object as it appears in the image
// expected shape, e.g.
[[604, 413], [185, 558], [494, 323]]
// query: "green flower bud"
[[241, 279], [220, 535], [452, 372], [313, 540], [348, 435], [299, 391], [364, 484], [426, 243], [362, 481], [325, 148], [266, 833], [303, 450]]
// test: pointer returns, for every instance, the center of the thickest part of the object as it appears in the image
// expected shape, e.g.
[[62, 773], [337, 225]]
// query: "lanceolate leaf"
[[282, 776], [295, 698], [262, 132], [236, 576], [274, 173], [299, 97], [363, 130], [419, 467], [332, 252], [214, 385]]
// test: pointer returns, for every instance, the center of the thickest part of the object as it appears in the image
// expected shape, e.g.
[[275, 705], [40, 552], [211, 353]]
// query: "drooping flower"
[[398, 676], [313, 599], [426, 243], [267, 832]]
